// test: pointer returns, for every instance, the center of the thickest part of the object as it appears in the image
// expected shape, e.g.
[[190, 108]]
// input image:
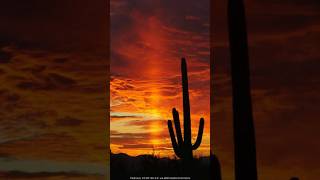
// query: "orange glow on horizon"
[[142, 100]]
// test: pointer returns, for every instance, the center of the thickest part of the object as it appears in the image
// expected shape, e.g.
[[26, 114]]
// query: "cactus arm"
[[199, 137], [176, 121], [173, 140], [186, 103]]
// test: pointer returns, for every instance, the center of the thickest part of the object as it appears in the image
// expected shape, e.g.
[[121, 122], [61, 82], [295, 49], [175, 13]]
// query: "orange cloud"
[[146, 82]]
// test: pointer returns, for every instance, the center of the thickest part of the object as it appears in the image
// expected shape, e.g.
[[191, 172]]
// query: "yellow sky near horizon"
[[145, 85]]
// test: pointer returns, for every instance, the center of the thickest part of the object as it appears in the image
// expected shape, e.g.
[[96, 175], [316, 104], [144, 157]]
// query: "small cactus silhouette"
[[183, 148]]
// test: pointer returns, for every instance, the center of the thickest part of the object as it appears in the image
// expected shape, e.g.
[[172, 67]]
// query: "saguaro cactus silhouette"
[[244, 135], [183, 148]]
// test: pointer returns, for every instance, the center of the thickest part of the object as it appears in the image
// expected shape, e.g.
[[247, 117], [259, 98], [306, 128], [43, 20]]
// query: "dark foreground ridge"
[[43, 175], [124, 166]]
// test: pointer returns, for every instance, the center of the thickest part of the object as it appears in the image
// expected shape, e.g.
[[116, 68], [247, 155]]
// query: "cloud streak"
[[147, 44]]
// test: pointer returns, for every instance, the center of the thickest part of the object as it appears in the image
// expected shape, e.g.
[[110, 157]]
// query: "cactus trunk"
[[183, 148], [186, 110], [244, 135]]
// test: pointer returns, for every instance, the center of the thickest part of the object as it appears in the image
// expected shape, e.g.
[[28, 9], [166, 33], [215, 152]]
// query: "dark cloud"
[[60, 80], [170, 92], [36, 70], [51, 81], [123, 116], [120, 138], [31, 86], [128, 138], [5, 57], [137, 146], [138, 140], [68, 121], [9, 97], [147, 123], [134, 135], [310, 3], [145, 146], [60, 60], [55, 25], [184, 36]]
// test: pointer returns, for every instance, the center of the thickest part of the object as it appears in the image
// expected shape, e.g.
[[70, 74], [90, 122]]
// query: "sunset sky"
[[53, 69], [148, 39], [284, 55], [54, 66]]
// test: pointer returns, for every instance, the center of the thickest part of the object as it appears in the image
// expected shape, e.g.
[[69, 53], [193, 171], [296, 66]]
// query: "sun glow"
[[145, 88], [155, 142]]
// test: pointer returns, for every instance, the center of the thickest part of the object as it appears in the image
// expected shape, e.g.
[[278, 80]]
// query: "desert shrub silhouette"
[[294, 178]]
